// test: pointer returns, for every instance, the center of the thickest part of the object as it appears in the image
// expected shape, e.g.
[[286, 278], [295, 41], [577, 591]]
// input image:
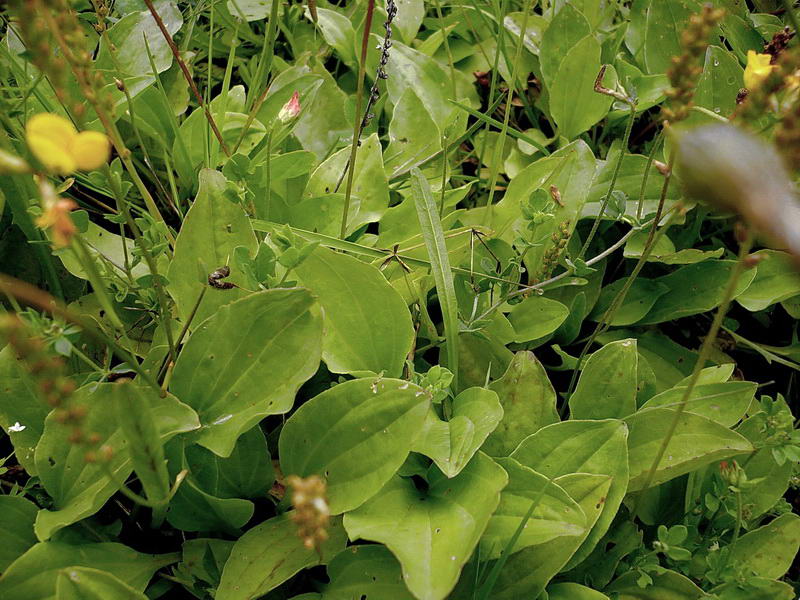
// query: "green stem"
[[501, 140], [357, 119], [161, 296], [623, 149], [650, 158]]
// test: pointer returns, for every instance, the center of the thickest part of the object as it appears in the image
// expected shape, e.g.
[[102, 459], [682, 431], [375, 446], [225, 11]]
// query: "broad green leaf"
[[773, 479], [354, 435], [83, 583], [322, 123], [724, 403], [715, 374], [413, 12], [269, 554], [400, 223], [192, 509], [596, 447], [212, 228], [669, 361], [567, 28], [665, 585], [664, 251], [127, 36], [432, 234], [695, 289], [556, 514], [481, 357], [432, 533], [574, 104], [662, 24], [365, 571], [536, 317], [17, 516], [246, 362], [755, 588], [573, 591], [775, 280], [246, 473], [79, 488], [20, 403], [204, 558], [109, 249], [195, 135], [413, 134], [537, 24], [528, 571], [251, 10], [193, 130], [571, 169], [367, 324], [697, 441], [640, 298], [33, 576], [528, 400], [769, 550], [607, 385], [629, 182], [338, 33], [452, 443], [322, 204], [430, 80], [720, 82]]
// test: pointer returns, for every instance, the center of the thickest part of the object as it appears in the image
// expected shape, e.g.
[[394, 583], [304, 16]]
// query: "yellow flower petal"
[[54, 157], [90, 150], [57, 128], [757, 69], [49, 137]]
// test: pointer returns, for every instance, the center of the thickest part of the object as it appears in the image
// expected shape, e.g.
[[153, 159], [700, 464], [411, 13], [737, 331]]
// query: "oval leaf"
[[368, 325], [432, 534], [247, 362], [354, 435]]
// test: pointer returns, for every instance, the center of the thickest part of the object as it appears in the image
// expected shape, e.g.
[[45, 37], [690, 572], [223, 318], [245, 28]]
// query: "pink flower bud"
[[290, 110]]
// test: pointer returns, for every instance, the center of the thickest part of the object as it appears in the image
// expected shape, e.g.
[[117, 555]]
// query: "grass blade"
[[431, 225]]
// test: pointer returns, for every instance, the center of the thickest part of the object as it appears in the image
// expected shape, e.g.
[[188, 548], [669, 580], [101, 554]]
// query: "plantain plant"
[[398, 300]]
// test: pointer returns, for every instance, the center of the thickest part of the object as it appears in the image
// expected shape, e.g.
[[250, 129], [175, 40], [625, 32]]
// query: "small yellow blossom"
[[758, 67], [56, 143]]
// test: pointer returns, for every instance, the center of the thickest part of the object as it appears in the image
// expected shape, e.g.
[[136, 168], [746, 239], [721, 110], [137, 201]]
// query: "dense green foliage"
[[403, 300]]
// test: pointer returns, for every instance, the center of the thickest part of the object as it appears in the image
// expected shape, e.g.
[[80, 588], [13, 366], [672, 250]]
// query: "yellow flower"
[[758, 67], [61, 149]]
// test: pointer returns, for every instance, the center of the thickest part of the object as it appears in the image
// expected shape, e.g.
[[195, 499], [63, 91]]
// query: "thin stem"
[[269, 175], [183, 332], [623, 149], [501, 140], [161, 296], [266, 53], [650, 158], [702, 358], [357, 120], [188, 76]]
